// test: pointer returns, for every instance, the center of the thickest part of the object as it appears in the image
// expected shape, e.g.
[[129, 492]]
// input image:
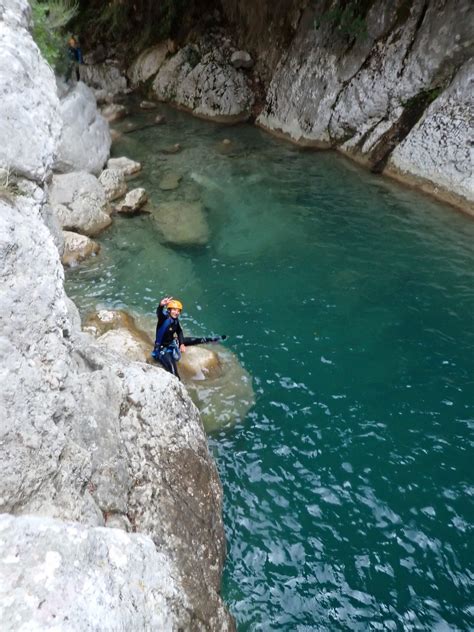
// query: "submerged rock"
[[169, 181], [77, 248], [182, 223], [218, 384], [114, 112]]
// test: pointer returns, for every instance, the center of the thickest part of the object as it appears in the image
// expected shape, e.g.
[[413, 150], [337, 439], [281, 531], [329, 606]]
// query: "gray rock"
[[205, 84], [77, 248], [80, 203], [169, 182], [113, 181], [147, 64], [127, 166], [438, 148], [105, 77], [133, 202], [57, 575], [85, 139], [364, 98]]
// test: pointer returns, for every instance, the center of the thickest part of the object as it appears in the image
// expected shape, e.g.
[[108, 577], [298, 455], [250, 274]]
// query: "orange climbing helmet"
[[174, 304]]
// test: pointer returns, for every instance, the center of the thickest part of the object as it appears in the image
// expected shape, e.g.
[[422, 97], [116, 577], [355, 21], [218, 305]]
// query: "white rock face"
[[364, 98], [80, 203], [85, 139], [60, 572], [105, 77], [438, 147], [147, 64], [205, 83], [27, 85], [85, 434]]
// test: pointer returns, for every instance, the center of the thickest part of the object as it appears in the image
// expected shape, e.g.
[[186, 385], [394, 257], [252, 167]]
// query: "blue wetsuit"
[[169, 337]]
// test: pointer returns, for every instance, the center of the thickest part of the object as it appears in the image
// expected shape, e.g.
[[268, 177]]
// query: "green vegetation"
[[50, 18], [346, 17], [137, 23], [9, 189]]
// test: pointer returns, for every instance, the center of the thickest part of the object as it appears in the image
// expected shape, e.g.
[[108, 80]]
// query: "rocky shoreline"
[[395, 98]]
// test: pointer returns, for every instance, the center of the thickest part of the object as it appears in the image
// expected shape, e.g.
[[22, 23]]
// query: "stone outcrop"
[[113, 181], [364, 94], [147, 64], [85, 138], [87, 436], [104, 78], [202, 79]]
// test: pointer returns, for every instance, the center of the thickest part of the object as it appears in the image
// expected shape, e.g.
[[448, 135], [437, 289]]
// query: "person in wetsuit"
[[169, 339], [75, 59]]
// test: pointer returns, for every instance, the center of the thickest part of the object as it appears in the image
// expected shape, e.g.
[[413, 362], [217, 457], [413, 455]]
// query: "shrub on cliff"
[[49, 21]]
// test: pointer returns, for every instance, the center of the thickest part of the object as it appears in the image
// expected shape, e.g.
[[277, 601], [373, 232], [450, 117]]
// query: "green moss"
[[348, 18]]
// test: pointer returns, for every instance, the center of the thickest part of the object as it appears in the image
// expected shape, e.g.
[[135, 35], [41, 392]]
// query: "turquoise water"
[[350, 300]]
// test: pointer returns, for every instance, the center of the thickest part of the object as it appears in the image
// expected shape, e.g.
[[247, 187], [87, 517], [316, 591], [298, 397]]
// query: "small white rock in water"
[[169, 182], [125, 165], [113, 181], [133, 201], [148, 105], [114, 112], [77, 248], [160, 119]]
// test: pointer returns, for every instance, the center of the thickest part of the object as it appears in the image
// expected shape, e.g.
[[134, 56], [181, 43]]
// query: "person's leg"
[[78, 75], [169, 363]]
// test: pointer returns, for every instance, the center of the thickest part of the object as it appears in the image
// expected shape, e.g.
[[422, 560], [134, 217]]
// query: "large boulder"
[[113, 181], [147, 64], [27, 85], [85, 139], [206, 83], [80, 204]]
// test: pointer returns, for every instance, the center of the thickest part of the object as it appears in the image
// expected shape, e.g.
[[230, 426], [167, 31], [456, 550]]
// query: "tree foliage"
[[50, 18]]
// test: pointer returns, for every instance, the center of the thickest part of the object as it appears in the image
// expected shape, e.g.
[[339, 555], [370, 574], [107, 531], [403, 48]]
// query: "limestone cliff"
[[388, 83], [87, 439]]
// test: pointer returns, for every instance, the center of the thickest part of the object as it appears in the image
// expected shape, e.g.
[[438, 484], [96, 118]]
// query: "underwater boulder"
[[182, 223], [218, 384]]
